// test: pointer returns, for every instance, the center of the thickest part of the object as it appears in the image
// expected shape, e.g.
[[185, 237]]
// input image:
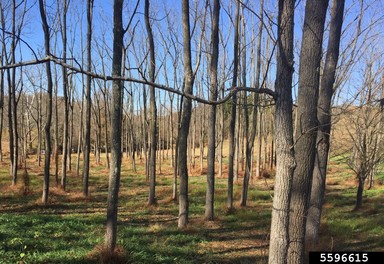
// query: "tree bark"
[[116, 123], [248, 150], [250, 139], [232, 124], [279, 236], [189, 79], [210, 197], [359, 194], [324, 130], [153, 110], [47, 126], [87, 145], [66, 103], [306, 129]]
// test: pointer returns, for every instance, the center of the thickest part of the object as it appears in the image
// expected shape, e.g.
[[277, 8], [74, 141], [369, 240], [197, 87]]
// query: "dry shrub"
[[101, 255]]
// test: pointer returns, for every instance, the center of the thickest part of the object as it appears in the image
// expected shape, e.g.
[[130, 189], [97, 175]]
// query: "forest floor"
[[70, 229]]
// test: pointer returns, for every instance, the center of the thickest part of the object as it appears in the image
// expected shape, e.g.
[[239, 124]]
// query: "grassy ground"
[[71, 228]]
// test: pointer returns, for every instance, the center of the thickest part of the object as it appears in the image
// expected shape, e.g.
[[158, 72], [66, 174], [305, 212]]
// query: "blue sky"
[[32, 32]]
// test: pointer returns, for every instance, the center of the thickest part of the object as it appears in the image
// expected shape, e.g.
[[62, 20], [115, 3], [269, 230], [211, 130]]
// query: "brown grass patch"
[[101, 255]]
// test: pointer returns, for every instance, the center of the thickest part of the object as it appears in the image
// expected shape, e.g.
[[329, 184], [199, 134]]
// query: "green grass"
[[70, 229]]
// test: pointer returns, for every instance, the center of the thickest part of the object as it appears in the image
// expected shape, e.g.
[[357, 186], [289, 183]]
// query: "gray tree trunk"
[[87, 138], [324, 118], [210, 194], [250, 139], [306, 129], [12, 104], [65, 92], [189, 79], [153, 110], [232, 124], [279, 236], [47, 126], [116, 123]]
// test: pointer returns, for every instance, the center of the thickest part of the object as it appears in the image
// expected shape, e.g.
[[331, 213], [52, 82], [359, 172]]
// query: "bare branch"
[[232, 90]]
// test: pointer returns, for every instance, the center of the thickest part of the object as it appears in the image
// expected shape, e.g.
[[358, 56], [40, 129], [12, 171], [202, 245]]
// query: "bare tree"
[[232, 125], [214, 58], [306, 129], [250, 139], [365, 127], [324, 127], [66, 146], [87, 143], [153, 110], [116, 122], [189, 78], [47, 126], [279, 237]]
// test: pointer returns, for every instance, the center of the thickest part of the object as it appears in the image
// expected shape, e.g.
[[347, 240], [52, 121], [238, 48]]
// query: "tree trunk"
[[359, 195], [189, 79], [87, 145], [106, 118], [116, 119], [65, 92], [279, 236], [47, 126], [39, 125], [306, 129], [248, 147], [56, 124], [12, 104], [176, 168], [153, 134], [232, 124], [324, 117], [80, 138], [250, 139], [210, 197]]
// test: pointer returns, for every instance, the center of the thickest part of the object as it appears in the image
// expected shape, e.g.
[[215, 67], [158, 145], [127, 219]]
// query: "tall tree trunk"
[[279, 236], [116, 119], [70, 129], [232, 124], [306, 129], [80, 137], [106, 118], [56, 122], [248, 149], [210, 197], [153, 134], [189, 79], [14, 145], [63, 182], [324, 117], [250, 139], [39, 124], [87, 145], [176, 168], [47, 126], [145, 133]]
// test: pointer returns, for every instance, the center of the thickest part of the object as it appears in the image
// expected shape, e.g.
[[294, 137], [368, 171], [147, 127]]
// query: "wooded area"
[[269, 116]]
